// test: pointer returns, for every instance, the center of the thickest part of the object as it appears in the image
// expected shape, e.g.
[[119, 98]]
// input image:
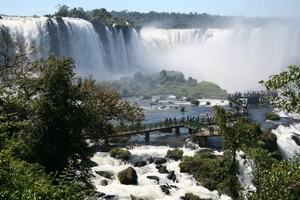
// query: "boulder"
[[150, 160], [104, 174], [158, 166], [99, 194], [128, 176], [140, 163], [104, 182], [172, 176], [175, 154], [165, 189], [154, 178], [160, 161], [163, 170]]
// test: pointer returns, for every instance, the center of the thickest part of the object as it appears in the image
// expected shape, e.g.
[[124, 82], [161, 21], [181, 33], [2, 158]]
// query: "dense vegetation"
[[161, 19], [164, 83], [272, 116], [274, 178], [174, 20], [45, 113], [96, 15]]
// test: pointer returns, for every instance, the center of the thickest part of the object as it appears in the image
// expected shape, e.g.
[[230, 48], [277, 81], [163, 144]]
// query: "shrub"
[[182, 109], [147, 96], [195, 102], [193, 138], [191, 196], [272, 116], [117, 152]]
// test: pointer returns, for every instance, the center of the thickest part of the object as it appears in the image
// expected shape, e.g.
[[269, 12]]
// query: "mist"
[[236, 58]]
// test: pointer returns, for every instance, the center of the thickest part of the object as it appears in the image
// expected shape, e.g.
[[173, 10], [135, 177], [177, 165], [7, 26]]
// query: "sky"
[[247, 8]]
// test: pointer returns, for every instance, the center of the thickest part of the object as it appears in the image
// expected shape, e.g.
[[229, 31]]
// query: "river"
[[160, 143]]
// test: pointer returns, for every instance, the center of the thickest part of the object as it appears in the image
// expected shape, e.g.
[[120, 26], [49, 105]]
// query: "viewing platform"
[[202, 129]]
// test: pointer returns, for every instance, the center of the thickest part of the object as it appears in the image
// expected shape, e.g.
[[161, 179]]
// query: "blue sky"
[[249, 8]]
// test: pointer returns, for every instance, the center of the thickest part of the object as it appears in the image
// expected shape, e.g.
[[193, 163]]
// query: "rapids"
[[160, 143]]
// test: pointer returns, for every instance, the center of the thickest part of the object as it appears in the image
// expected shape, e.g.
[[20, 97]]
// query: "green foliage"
[[147, 97], [166, 82], [287, 84], [205, 167], [195, 102], [99, 15], [47, 111], [162, 98], [21, 180], [272, 116], [176, 154], [191, 196], [173, 20], [193, 138], [280, 181], [242, 134], [182, 108], [118, 152]]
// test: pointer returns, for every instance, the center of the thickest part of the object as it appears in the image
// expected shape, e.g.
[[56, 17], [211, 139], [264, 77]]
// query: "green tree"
[[162, 78], [287, 84], [242, 134], [280, 181], [107, 110]]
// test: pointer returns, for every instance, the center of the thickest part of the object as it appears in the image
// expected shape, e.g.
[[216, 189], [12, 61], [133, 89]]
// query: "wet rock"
[[296, 139], [104, 174], [128, 176], [104, 182], [150, 160], [175, 154], [158, 166], [165, 189], [172, 176], [140, 163], [160, 161], [163, 170], [99, 194], [109, 196], [154, 178]]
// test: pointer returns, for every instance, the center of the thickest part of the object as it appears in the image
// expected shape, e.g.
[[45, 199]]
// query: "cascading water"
[[149, 188], [226, 57], [234, 58], [104, 52]]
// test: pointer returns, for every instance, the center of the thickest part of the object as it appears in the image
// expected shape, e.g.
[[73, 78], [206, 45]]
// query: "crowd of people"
[[253, 93], [207, 119]]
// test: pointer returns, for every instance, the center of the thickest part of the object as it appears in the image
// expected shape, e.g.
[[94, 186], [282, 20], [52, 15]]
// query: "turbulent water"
[[235, 58], [160, 143], [238, 54]]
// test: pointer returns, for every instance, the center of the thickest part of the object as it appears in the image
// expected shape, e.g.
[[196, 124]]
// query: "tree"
[[107, 110], [280, 181], [162, 78], [241, 134], [287, 84], [46, 111]]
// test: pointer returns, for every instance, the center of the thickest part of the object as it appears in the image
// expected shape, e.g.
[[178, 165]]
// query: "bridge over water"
[[202, 128]]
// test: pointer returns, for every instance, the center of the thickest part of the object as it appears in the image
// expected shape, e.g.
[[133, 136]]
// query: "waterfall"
[[104, 52], [235, 58]]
